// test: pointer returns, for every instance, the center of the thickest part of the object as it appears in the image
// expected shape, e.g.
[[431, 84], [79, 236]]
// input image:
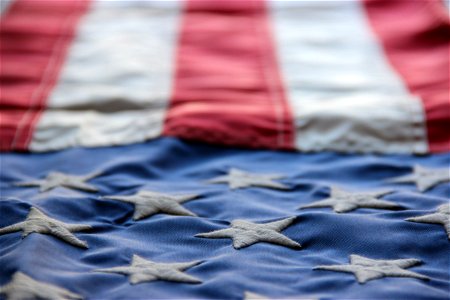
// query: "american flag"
[[212, 149]]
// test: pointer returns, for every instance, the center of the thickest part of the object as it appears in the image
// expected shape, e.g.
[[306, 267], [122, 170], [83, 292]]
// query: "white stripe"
[[117, 79], [342, 90]]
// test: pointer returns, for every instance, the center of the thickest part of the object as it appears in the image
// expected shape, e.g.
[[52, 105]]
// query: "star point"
[[143, 270], [58, 179], [245, 233], [441, 217], [23, 286], [39, 222], [237, 178], [148, 203], [366, 269], [343, 201], [424, 178]]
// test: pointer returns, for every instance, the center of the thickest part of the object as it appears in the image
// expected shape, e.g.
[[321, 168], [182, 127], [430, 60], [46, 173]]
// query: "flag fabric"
[[351, 76], [172, 167], [224, 149]]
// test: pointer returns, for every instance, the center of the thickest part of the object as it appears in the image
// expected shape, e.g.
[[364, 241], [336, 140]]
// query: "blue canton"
[[167, 242]]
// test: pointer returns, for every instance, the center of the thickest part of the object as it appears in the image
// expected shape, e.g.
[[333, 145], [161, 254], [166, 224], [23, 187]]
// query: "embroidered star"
[[24, 287], [58, 179], [147, 203], [240, 179], [441, 216], [343, 201], [366, 269], [38, 222], [245, 233], [424, 178], [142, 270]]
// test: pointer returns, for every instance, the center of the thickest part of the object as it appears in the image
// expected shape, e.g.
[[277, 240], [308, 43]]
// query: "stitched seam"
[[270, 81], [411, 124], [49, 71], [412, 141], [166, 126], [58, 62], [417, 118]]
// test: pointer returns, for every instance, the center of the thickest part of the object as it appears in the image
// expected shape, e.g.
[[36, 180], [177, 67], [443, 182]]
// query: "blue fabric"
[[169, 165]]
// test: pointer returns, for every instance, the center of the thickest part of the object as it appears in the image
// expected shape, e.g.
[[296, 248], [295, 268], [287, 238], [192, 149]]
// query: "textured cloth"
[[170, 166]]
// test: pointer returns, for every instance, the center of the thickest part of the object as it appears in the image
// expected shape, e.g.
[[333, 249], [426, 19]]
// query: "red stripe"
[[416, 36], [227, 86], [34, 39]]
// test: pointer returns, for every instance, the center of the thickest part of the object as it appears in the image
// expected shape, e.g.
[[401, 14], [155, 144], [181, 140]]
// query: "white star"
[[142, 270], [147, 203], [239, 179], [58, 179], [366, 269], [38, 222], [441, 216], [245, 233], [24, 287], [343, 201], [424, 178]]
